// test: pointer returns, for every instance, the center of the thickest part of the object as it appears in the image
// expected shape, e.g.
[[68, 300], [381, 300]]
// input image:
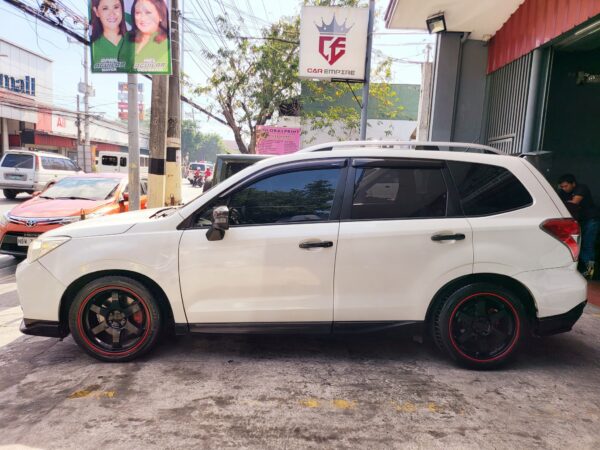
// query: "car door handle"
[[324, 244], [448, 237]]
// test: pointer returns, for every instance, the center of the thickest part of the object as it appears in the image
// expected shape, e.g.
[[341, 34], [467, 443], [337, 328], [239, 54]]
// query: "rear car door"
[[275, 263], [402, 237]]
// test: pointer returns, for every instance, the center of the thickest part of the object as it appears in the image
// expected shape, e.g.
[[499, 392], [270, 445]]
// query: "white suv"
[[476, 249], [29, 171]]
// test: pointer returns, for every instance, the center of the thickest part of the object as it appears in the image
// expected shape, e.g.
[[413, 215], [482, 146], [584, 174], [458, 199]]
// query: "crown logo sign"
[[334, 27]]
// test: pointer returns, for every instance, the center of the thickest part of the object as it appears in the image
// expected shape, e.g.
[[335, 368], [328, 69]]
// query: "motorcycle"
[[198, 180]]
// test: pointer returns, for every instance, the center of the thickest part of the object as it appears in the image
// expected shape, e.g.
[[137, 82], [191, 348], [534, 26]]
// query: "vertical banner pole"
[[365, 96], [134, 142]]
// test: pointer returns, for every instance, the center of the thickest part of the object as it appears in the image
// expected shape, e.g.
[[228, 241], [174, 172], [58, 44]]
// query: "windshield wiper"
[[163, 212], [73, 198]]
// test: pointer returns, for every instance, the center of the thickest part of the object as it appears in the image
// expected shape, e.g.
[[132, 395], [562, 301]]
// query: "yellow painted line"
[[434, 408], [84, 393], [343, 404], [310, 403], [596, 314], [406, 407]]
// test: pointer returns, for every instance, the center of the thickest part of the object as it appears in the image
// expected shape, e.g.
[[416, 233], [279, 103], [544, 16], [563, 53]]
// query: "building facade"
[[29, 119], [520, 75]]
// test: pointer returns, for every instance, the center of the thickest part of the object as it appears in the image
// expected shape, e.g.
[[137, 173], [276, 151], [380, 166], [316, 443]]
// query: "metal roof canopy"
[[481, 18]]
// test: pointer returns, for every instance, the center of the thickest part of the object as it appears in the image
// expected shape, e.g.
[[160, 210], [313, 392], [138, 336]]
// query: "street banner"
[[123, 105], [333, 42], [277, 140], [130, 36]]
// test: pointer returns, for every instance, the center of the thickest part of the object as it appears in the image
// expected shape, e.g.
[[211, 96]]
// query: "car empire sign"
[[333, 42]]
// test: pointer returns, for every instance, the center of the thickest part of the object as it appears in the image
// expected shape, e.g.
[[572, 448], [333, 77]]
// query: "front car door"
[[275, 263], [402, 237]]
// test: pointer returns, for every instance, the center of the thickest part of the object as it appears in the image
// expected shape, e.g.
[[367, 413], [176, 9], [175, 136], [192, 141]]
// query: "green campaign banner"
[[130, 36]]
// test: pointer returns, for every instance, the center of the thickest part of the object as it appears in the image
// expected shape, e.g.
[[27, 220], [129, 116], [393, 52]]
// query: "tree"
[[197, 146], [253, 77]]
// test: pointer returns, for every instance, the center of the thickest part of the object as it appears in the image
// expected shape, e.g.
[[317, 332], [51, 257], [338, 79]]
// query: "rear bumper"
[[561, 323], [18, 187], [45, 328]]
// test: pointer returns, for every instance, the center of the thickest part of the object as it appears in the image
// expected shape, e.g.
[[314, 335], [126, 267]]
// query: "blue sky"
[[33, 35]]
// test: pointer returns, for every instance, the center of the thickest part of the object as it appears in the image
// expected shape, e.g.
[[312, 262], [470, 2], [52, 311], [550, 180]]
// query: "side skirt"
[[294, 327]]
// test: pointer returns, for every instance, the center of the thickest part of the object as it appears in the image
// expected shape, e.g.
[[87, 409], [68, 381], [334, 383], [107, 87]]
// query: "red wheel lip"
[[90, 344], [510, 347]]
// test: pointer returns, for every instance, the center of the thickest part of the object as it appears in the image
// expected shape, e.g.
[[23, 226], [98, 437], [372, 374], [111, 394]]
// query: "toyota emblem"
[[30, 223]]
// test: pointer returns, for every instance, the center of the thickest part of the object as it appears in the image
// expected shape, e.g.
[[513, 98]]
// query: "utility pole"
[[78, 125], [424, 118], [158, 141], [87, 157], [173, 161], [365, 96], [134, 141]]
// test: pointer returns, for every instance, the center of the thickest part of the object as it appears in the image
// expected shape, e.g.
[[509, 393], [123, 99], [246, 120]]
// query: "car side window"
[[70, 165], [485, 189], [123, 161], [291, 197], [109, 160], [399, 193]]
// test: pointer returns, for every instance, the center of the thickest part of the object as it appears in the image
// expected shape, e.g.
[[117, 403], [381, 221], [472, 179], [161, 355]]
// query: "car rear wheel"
[[115, 319], [10, 194], [480, 325]]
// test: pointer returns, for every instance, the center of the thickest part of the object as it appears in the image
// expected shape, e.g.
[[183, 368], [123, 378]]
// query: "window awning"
[[481, 18]]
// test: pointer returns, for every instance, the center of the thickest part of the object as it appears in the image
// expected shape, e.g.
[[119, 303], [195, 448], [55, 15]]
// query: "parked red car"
[[74, 198]]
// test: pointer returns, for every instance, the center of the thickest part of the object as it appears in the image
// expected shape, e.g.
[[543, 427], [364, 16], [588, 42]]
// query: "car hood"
[[43, 207], [105, 225]]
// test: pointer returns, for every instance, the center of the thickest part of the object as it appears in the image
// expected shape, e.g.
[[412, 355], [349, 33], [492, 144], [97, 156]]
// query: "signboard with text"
[[277, 140], [130, 36], [333, 42]]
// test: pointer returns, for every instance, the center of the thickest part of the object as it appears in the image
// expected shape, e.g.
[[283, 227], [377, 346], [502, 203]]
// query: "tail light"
[[37, 163], [566, 231]]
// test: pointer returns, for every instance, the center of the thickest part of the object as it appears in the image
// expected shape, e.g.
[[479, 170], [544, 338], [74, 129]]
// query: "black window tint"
[[18, 160], [399, 193], [123, 161], [301, 196], [486, 189], [109, 160]]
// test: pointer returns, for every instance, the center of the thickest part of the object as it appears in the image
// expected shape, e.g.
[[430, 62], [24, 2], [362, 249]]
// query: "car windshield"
[[197, 167], [82, 188], [18, 160]]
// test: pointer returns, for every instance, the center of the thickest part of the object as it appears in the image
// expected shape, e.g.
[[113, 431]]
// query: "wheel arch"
[[71, 291], [503, 280]]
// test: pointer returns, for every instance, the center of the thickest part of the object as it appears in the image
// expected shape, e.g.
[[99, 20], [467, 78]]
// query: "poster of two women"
[[130, 36]]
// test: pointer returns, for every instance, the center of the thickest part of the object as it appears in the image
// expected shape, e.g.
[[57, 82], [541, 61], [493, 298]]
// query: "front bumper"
[[45, 328], [561, 323], [39, 291]]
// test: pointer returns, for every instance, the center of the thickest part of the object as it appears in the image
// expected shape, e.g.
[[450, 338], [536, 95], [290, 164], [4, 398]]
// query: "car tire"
[[10, 194], [480, 325], [115, 319]]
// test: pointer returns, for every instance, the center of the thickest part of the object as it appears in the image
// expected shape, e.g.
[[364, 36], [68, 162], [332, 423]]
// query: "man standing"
[[578, 199]]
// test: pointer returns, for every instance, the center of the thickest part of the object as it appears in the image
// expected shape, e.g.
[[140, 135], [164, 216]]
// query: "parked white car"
[[118, 162], [29, 171], [477, 249]]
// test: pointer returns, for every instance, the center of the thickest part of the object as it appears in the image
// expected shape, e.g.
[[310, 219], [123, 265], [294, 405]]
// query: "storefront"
[[521, 76]]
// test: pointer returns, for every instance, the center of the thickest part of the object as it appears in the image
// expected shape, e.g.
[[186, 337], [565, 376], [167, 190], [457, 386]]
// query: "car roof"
[[35, 152], [242, 157], [116, 175]]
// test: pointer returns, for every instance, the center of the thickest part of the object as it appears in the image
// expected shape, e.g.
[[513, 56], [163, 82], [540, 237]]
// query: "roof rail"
[[415, 145]]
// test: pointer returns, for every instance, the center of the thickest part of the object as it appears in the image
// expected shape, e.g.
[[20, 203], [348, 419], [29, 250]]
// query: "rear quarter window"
[[486, 190], [19, 161]]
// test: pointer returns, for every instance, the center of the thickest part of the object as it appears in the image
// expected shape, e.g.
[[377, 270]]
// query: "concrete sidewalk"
[[594, 293]]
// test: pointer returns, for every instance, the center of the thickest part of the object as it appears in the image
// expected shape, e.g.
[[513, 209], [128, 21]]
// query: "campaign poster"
[[277, 140], [130, 36]]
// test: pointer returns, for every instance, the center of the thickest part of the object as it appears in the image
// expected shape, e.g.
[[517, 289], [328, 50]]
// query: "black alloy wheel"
[[115, 319], [480, 325]]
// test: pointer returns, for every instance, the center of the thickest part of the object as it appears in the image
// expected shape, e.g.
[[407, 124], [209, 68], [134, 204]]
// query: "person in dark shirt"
[[580, 203]]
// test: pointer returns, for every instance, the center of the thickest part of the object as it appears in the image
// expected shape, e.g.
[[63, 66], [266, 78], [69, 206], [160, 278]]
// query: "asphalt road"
[[366, 391]]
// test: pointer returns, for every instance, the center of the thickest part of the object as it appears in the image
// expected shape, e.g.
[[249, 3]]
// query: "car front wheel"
[[115, 319], [480, 325], [10, 194]]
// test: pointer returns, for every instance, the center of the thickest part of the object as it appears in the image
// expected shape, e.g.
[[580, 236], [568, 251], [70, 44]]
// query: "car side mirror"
[[220, 224], [124, 197], [36, 193]]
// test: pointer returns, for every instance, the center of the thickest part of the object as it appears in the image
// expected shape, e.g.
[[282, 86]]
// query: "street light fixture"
[[436, 23]]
